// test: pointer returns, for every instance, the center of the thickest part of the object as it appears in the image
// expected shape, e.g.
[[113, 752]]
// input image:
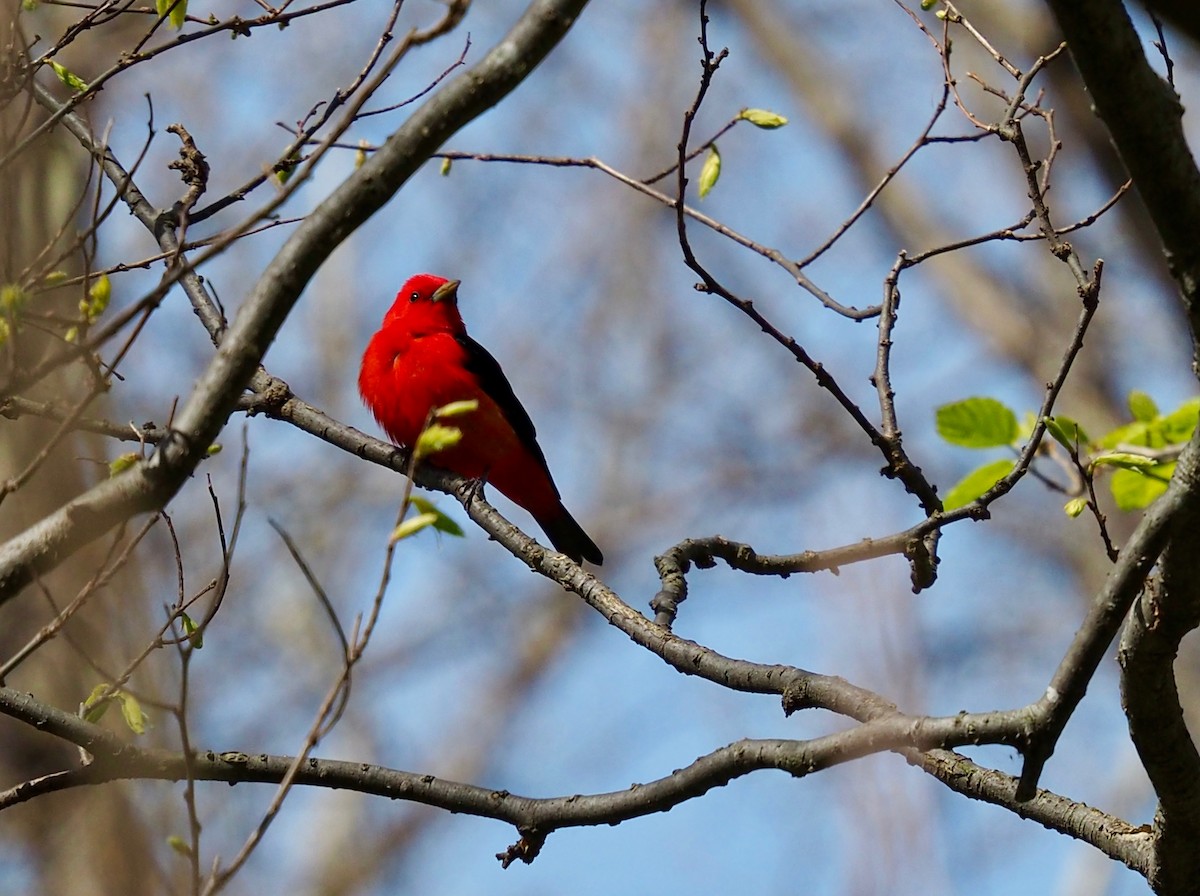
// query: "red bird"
[[422, 358]]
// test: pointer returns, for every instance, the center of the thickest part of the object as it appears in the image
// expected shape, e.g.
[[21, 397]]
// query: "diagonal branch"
[[150, 485]]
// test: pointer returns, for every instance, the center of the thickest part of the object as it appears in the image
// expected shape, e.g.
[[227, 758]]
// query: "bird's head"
[[426, 303]]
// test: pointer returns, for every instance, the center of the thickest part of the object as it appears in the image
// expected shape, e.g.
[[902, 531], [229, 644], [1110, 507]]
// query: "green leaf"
[[1130, 434], [180, 845], [71, 80], [131, 711], [457, 408], [443, 523], [97, 299], [96, 705], [1123, 459], [928, 4], [102, 695], [12, 298], [1074, 507], [977, 423], [762, 118], [710, 172], [122, 462], [285, 168], [1066, 432], [413, 525], [1179, 425], [446, 164], [1142, 406], [192, 630], [1134, 490], [435, 438], [976, 483], [178, 11]]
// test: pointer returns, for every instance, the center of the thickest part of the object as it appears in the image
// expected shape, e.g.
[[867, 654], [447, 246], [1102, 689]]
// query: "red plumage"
[[422, 358]]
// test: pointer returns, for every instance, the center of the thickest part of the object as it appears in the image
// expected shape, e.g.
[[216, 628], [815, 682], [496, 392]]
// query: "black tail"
[[568, 537]]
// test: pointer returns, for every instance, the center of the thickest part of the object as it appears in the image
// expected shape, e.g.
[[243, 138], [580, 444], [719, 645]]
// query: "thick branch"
[[1144, 117], [1104, 619], [1149, 645], [151, 485]]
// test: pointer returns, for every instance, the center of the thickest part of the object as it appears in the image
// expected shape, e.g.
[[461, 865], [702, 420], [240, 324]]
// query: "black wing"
[[495, 384]]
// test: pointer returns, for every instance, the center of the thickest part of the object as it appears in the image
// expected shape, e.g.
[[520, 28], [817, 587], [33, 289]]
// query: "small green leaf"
[[214, 449], [762, 118], [1136, 490], [54, 277], [710, 172], [1123, 459], [99, 295], [1129, 434], [102, 695], [12, 298], [435, 438], [976, 483], [928, 4], [360, 154], [71, 80], [96, 705], [1066, 432], [131, 712], [443, 523], [446, 163], [1074, 507], [29, 5], [413, 525], [1142, 406], [194, 635], [1179, 425], [121, 463], [977, 423], [178, 10], [457, 408], [285, 168], [180, 845]]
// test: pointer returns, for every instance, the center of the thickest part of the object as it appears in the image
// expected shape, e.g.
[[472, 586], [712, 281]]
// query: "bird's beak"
[[448, 290]]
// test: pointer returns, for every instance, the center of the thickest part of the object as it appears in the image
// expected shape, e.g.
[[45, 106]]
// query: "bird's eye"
[[412, 297]]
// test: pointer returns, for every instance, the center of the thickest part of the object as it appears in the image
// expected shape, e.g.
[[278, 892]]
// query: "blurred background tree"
[[665, 412]]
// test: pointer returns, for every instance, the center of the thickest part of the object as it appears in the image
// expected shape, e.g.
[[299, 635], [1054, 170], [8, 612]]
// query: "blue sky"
[[664, 414]]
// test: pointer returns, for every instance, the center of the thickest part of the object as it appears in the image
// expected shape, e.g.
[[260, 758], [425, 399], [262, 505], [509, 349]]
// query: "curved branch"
[[535, 818]]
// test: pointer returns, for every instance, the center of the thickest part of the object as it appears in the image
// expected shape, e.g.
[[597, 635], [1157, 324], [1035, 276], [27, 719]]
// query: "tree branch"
[[535, 818], [150, 485], [1145, 118]]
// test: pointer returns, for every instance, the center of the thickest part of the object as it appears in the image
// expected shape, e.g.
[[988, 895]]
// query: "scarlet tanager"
[[422, 358]]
